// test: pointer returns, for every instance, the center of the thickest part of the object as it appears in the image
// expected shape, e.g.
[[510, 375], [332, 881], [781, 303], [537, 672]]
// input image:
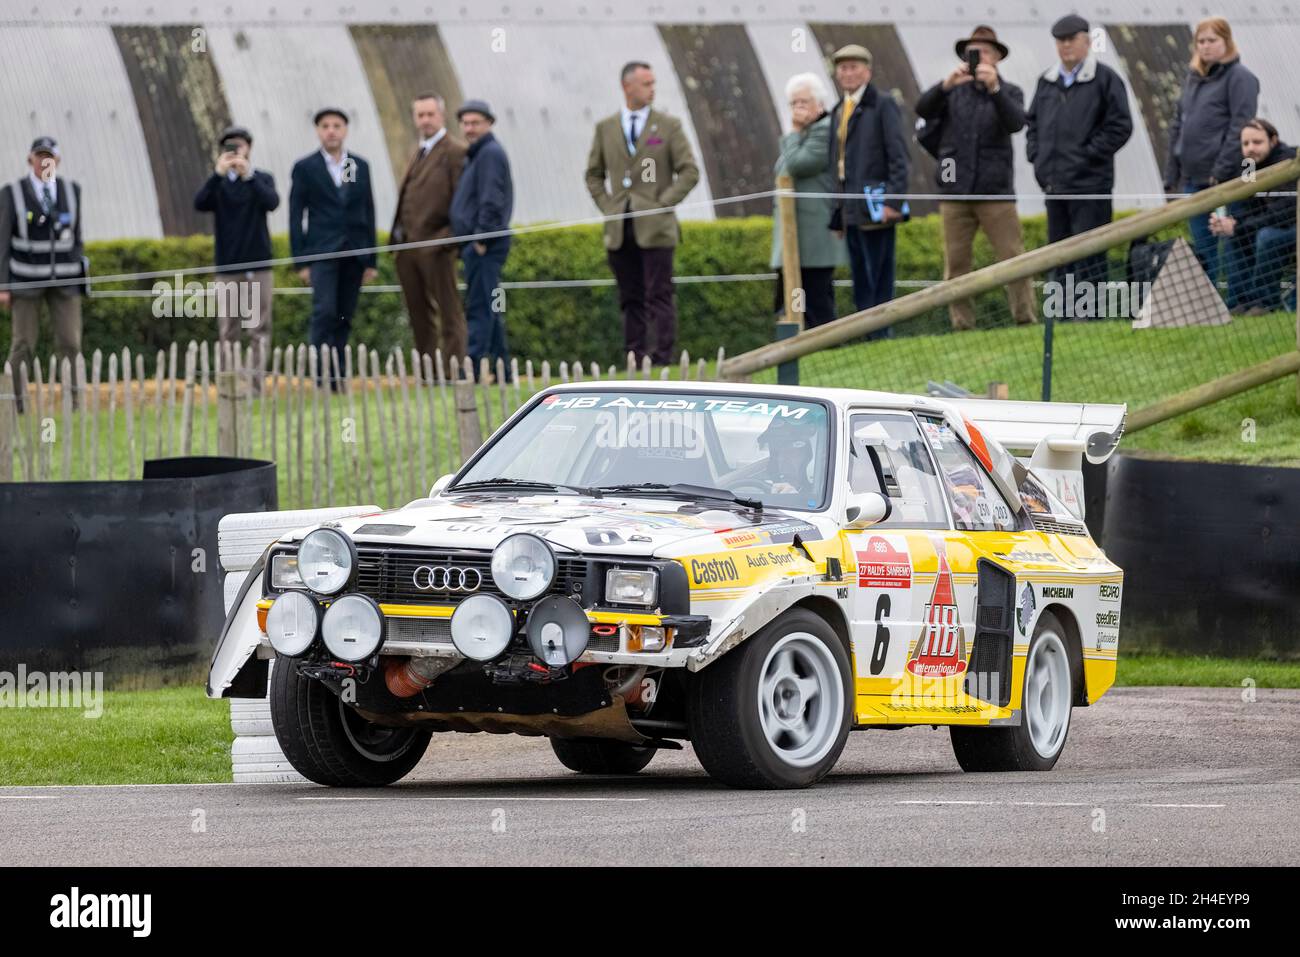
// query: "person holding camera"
[[239, 198], [40, 244], [977, 111]]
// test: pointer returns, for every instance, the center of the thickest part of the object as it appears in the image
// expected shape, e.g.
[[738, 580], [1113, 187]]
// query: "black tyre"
[[594, 756], [1046, 702], [329, 743], [775, 712]]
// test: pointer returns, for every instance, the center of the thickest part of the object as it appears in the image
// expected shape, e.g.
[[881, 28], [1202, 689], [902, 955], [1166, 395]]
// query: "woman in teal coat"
[[804, 156]]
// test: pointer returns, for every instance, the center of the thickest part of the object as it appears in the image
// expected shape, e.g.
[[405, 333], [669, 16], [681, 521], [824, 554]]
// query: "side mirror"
[[442, 483], [865, 509]]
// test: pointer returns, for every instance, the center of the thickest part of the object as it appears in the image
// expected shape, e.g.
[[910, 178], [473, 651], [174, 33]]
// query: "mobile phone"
[[972, 59]]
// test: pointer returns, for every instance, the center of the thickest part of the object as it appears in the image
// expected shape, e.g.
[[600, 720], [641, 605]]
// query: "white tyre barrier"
[[255, 756]]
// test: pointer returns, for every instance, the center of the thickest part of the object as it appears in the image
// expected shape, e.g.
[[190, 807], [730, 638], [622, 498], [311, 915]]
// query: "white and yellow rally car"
[[758, 570]]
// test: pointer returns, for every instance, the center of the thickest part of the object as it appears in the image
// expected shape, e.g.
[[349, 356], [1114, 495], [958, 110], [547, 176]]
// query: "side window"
[[977, 506], [910, 483]]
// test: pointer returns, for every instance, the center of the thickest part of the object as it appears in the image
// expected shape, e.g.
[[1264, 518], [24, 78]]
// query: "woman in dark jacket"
[[1219, 96], [1260, 230]]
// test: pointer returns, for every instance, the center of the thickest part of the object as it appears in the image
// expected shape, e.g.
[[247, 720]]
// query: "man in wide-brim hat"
[[977, 112]]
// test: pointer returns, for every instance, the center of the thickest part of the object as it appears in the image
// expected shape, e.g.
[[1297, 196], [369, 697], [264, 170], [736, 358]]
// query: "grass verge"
[[1205, 672], [163, 736]]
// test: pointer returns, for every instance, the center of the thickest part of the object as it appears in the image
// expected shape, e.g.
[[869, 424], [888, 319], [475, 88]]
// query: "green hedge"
[[575, 323]]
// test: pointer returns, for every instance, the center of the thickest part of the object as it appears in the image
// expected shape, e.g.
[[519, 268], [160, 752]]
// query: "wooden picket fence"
[[401, 419]]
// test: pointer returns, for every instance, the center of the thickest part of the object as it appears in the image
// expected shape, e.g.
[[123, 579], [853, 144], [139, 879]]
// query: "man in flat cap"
[[868, 160], [1077, 122], [40, 245], [978, 111], [645, 158], [240, 197], [331, 211], [483, 203]]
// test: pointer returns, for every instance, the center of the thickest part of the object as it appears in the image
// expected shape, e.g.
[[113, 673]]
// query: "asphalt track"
[[1150, 776]]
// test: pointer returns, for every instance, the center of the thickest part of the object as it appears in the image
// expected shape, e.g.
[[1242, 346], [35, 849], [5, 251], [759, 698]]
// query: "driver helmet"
[[788, 446]]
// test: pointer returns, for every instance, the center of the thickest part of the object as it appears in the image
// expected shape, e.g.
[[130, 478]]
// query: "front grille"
[[385, 574], [437, 631], [430, 631], [1059, 528], [603, 643]]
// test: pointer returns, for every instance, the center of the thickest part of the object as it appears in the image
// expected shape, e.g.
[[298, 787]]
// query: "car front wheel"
[[329, 743], [775, 712], [1046, 701]]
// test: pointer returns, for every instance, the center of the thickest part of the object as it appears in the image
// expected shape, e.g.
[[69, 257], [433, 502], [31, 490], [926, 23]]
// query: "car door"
[[895, 561]]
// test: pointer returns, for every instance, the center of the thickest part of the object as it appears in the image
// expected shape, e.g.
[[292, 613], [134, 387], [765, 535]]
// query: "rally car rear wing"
[[1050, 438], [1022, 427]]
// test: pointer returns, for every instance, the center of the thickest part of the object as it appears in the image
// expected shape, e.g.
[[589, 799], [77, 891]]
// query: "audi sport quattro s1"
[[625, 566]]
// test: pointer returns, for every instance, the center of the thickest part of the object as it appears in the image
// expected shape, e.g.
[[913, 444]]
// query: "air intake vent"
[[1053, 526]]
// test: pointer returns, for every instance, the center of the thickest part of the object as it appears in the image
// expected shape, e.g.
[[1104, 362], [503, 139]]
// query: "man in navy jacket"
[[332, 210], [239, 197], [483, 203]]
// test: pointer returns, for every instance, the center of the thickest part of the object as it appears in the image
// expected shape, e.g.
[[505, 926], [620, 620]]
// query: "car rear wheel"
[[775, 712], [593, 756], [329, 743], [1047, 697]]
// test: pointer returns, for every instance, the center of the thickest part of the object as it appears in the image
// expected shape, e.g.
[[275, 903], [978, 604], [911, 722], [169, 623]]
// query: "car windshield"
[[759, 449]]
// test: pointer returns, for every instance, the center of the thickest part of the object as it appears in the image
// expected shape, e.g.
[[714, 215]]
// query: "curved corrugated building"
[[137, 92]]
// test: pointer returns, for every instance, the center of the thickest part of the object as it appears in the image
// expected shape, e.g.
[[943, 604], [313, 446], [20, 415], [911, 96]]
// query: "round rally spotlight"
[[353, 628], [291, 623], [558, 630], [523, 566], [481, 627], [326, 560]]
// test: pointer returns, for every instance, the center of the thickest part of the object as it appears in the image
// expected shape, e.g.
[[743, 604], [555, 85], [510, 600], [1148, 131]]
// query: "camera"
[[230, 146], [972, 59]]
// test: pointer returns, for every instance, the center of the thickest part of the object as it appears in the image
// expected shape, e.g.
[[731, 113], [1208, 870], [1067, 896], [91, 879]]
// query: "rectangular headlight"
[[626, 586], [284, 571]]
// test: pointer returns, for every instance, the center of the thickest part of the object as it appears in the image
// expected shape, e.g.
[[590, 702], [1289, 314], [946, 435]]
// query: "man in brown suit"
[[647, 160], [428, 274]]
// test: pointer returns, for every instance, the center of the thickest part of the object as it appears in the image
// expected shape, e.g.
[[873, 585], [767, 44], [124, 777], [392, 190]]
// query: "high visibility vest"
[[44, 245]]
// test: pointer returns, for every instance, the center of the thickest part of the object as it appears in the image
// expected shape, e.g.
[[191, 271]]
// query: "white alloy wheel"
[[1047, 694], [800, 699]]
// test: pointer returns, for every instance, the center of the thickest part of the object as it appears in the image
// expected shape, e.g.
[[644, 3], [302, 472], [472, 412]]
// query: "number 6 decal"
[[881, 649]]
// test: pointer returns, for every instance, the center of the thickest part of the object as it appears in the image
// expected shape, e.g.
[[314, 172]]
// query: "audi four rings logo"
[[446, 578]]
